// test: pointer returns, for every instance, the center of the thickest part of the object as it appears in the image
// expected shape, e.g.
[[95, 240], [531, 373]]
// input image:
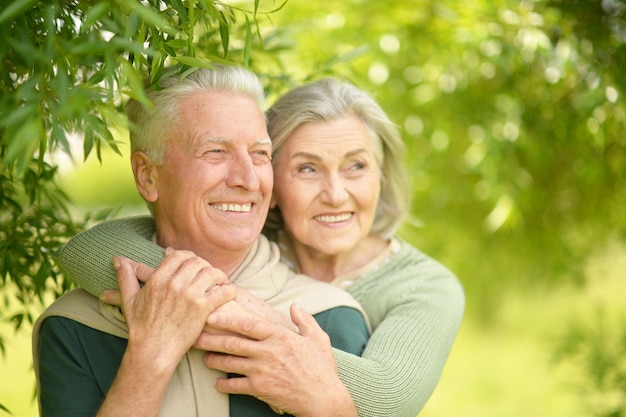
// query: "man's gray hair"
[[149, 127]]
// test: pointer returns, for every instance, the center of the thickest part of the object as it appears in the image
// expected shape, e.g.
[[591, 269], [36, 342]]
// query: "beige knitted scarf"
[[190, 391]]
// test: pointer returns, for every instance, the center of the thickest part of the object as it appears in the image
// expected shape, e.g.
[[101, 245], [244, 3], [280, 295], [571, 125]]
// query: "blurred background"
[[514, 118]]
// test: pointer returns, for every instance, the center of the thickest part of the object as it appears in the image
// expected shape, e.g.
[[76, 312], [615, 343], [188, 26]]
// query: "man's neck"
[[226, 260]]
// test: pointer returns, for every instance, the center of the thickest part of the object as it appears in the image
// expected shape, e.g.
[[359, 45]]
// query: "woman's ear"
[[146, 176]]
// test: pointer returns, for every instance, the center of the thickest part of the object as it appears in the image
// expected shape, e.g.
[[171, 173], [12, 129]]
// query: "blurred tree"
[[513, 113], [596, 351], [67, 66]]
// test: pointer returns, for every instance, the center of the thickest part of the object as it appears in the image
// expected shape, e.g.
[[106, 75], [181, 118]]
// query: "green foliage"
[[513, 114], [596, 350], [67, 67]]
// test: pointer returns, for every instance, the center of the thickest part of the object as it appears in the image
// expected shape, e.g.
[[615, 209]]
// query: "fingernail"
[[169, 250], [116, 263]]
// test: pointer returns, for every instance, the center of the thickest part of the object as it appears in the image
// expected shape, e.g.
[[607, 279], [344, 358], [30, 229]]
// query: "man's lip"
[[232, 207]]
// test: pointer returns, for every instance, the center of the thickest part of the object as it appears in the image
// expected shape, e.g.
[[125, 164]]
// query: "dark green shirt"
[[78, 364]]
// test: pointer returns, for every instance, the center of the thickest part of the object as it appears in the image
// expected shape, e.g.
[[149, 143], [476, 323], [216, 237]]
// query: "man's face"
[[214, 187]]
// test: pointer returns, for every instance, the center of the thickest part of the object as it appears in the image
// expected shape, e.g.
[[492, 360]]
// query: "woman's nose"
[[334, 191]]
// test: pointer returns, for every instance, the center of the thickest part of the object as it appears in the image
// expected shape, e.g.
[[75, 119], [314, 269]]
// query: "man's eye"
[[306, 169], [261, 154]]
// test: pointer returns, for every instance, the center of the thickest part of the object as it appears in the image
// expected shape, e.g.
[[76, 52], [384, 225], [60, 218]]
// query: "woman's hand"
[[262, 309], [293, 372]]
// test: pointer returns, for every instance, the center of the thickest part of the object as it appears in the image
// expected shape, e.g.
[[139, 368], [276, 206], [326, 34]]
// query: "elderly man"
[[201, 159]]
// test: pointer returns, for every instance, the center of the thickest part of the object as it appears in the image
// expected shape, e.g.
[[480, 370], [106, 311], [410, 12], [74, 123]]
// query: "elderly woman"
[[340, 195]]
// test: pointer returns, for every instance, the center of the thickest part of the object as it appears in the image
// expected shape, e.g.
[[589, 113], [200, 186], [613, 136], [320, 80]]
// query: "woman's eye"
[[356, 166]]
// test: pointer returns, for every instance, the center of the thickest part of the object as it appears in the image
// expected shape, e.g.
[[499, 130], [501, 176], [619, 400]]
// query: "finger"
[[230, 364], [112, 297], [306, 323], [243, 324], [197, 271], [129, 286], [219, 295], [142, 271], [239, 385], [226, 343]]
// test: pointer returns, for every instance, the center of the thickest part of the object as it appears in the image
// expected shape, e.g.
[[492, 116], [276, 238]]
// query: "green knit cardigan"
[[414, 305]]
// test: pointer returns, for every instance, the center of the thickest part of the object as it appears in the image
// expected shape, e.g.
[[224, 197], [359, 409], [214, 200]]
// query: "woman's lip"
[[333, 218]]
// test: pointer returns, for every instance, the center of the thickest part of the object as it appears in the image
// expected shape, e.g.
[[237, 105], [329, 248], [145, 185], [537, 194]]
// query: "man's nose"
[[243, 173]]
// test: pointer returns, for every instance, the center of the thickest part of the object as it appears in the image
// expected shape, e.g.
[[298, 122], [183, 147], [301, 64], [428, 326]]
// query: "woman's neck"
[[327, 267]]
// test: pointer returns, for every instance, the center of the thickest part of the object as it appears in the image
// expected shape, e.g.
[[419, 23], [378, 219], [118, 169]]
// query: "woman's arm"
[[88, 257], [415, 306]]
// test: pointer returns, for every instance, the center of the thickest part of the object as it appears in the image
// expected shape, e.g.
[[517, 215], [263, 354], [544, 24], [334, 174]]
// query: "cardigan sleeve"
[[88, 257], [415, 310]]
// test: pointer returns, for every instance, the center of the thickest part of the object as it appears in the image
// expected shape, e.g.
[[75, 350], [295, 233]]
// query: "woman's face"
[[327, 185]]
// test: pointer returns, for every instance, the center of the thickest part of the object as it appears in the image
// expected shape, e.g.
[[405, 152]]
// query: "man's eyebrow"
[[222, 140], [264, 141], [214, 139]]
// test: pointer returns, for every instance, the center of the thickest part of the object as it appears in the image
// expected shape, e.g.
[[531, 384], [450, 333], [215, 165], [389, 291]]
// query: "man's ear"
[[146, 176], [273, 202]]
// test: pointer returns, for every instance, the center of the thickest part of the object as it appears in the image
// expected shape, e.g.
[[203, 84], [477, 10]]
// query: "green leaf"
[[150, 16], [176, 43], [18, 115], [94, 14], [23, 143], [225, 35], [15, 9], [193, 61], [248, 45]]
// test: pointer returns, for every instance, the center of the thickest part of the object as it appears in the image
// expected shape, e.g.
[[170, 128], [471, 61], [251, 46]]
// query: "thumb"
[[126, 278], [111, 297], [142, 271], [306, 323]]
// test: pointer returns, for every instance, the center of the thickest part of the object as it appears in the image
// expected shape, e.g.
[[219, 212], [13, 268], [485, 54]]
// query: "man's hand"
[[166, 316], [143, 273], [164, 319], [224, 291]]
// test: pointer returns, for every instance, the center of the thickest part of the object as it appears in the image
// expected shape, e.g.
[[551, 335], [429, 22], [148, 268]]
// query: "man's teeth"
[[233, 207], [334, 219]]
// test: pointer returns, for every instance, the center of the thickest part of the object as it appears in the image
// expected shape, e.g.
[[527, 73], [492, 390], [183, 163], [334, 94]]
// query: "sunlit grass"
[[507, 368], [17, 384]]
